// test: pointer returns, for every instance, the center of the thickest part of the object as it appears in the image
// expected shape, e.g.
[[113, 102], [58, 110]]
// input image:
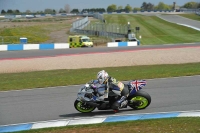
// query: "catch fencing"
[[80, 23], [101, 28]]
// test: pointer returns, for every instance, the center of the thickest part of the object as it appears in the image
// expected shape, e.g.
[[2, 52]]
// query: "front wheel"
[[83, 107], [140, 100]]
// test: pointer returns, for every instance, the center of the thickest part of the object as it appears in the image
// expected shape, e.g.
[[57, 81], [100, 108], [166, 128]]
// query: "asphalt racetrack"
[[53, 53], [172, 94], [181, 20]]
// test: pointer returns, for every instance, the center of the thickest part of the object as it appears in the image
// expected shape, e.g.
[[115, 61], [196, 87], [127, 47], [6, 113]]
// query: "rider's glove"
[[93, 86]]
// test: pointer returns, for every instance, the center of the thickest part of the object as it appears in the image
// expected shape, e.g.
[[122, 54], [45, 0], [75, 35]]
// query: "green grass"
[[155, 30], [18, 81], [35, 34], [167, 125], [191, 16]]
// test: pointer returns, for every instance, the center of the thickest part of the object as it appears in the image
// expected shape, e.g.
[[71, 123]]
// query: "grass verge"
[[38, 79], [167, 125], [156, 31], [191, 16], [35, 34]]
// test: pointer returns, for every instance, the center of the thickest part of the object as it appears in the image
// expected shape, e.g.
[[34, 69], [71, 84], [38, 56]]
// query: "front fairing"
[[82, 91]]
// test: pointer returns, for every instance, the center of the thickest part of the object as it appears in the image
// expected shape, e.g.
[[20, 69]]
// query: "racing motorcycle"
[[92, 96]]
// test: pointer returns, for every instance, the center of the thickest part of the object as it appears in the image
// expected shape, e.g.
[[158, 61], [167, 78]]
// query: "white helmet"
[[102, 76]]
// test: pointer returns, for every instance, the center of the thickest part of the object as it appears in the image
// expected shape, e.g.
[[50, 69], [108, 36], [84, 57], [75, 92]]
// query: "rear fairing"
[[136, 85]]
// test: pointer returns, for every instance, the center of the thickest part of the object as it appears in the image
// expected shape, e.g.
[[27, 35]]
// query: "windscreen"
[[85, 40]]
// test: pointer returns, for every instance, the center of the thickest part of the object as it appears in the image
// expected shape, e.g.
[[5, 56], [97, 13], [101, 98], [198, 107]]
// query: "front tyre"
[[140, 100], [82, 107]]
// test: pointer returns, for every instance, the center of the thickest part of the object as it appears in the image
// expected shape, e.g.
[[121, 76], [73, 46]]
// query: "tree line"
[[149, 6], [53, 11], [111, 8]]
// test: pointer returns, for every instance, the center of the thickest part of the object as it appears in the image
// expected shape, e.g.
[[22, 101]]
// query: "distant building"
[[174, 5]]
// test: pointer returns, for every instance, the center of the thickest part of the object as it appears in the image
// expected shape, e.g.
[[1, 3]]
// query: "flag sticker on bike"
[[137, 84]]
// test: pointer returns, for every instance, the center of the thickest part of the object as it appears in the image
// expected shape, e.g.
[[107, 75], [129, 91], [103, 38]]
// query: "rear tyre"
[[140, 100], [82, 107]]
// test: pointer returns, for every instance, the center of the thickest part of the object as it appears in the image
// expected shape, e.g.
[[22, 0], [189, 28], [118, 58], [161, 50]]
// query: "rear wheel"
[[82, 107], [140, 100]]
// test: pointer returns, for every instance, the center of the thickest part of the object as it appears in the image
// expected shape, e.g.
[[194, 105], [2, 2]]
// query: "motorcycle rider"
[[116, 86]]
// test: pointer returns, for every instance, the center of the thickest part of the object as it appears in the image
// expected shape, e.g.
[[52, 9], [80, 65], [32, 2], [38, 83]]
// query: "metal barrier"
[[83, 26], [99, 16], [100, 33]]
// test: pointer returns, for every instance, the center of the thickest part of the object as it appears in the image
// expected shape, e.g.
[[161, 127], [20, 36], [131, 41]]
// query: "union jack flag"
[[137, 84]]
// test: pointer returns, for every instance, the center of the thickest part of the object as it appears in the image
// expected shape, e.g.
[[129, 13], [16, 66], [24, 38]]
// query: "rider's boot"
[[116, 110], [123, 102]]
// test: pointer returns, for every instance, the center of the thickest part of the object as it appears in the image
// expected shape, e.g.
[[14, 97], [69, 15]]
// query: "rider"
[[116, 86]]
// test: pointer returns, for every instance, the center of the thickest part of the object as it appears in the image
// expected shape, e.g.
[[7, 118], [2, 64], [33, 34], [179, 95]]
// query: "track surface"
[[181, 20], [53, 53], [173, 94]]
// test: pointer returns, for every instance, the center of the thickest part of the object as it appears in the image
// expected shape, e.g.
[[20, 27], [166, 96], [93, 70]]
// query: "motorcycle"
[[92, 96]]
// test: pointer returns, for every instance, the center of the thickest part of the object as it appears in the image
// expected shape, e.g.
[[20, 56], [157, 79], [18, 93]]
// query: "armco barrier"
[[122, 44], [95, 120], [17, 47]]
